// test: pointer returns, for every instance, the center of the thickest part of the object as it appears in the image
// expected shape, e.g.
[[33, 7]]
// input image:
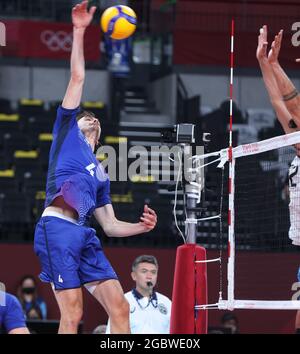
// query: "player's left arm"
[[116, 228]]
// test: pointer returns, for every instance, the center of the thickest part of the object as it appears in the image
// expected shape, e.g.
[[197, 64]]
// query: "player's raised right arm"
[[287, 89], [81, 18], [280, 108]]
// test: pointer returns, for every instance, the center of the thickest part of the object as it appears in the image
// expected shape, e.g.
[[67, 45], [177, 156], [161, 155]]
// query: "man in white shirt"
[[150, 311]]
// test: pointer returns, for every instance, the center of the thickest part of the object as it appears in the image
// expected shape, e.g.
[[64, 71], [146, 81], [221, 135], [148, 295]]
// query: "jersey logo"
[[292, 173], [162, 309], [132, 309], [60, 279], [90, 168]]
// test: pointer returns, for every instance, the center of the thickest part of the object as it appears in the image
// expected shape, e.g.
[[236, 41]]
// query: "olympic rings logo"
[[56, 41]]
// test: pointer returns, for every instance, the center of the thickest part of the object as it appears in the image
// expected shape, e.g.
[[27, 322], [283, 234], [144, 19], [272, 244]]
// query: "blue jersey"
[[11, 313], [74, 172]]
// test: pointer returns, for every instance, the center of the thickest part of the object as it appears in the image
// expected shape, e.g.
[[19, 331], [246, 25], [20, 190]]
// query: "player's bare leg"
[[110, 295], [70, 304]]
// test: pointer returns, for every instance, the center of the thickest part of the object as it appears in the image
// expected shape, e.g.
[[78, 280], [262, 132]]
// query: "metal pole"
[[191, 193]]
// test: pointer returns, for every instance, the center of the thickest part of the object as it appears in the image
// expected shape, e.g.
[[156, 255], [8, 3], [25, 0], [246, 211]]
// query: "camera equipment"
[[184, 136], [180, 133]]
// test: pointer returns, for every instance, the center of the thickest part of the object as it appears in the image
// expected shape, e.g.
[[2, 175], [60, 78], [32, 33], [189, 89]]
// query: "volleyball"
[[119, 22]]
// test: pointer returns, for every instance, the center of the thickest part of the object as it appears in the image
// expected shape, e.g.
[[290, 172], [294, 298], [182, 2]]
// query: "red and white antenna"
[[231, 238], [231, 83]]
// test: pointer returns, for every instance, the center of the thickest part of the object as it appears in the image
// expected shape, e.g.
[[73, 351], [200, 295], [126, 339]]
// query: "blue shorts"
[[70, 255]]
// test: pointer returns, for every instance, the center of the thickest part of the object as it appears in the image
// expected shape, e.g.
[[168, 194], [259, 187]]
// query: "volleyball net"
[[257, 221]]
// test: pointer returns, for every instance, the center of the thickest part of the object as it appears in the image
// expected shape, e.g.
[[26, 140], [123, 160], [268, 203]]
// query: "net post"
[[189, 291]]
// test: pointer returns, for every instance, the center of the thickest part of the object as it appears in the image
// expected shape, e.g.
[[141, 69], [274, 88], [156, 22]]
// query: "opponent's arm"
[[287, 89], [116, 228], [81, 18], [281, 110]]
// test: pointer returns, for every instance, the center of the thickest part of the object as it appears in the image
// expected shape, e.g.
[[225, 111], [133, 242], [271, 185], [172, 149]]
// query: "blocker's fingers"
[[149, 216], [92, 10], [83, 6], [148, 213], [147, 222], [151, 211]]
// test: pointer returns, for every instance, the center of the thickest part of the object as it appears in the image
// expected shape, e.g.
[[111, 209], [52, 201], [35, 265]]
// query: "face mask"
[[29, 290]]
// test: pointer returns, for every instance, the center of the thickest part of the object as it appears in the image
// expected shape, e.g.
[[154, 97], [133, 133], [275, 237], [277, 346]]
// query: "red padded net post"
[[189, 289]]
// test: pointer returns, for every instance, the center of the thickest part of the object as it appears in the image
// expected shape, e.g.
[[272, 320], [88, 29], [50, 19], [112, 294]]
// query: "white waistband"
[[58, 215]]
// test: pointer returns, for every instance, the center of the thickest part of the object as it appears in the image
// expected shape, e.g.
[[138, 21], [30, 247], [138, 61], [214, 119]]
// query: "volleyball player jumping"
[[70, 253]]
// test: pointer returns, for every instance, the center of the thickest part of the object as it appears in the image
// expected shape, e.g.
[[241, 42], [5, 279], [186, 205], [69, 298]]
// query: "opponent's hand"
[[275, 48], [149, 218], [81, 17], [261, 51]]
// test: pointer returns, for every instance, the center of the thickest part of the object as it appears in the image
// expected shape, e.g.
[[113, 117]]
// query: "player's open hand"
[[149, 218], [261, 51], [81, 17], [275, 48]]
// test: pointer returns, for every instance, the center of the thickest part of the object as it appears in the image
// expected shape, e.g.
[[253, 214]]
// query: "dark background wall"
[[202, 31]]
